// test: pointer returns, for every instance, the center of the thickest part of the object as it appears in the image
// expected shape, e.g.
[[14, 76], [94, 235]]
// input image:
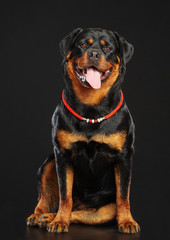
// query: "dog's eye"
[[107, 49], [83, 45]]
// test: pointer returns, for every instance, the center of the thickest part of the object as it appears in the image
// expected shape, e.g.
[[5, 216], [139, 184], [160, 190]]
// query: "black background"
[[31, 84]]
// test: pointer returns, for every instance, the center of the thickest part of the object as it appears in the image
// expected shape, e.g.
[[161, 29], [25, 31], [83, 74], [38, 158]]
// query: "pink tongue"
[[93, 78]]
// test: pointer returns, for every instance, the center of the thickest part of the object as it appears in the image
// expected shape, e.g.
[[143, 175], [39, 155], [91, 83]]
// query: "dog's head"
[[94, 57]]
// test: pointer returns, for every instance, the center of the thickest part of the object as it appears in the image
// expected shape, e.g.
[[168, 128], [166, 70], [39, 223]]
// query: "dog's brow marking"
[[90, 40], [67, 138], [115, 140], [102, 42]]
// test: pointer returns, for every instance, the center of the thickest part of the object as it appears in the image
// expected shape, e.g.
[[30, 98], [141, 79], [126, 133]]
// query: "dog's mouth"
[[92, 76]]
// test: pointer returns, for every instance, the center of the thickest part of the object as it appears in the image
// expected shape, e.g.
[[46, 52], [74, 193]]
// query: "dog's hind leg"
[[93, 216], [48, 194]]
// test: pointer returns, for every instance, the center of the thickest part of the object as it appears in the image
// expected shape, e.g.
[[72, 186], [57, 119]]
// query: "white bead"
[[92, 120], [87, 120]]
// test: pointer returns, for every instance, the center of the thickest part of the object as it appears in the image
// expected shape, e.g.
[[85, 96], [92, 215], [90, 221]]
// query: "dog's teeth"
[[82, 78], [78, 74]]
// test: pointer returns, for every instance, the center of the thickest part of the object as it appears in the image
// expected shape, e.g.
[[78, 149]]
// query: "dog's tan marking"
[[46, 219], [62, 218], [88, 95], [102, 42], [49, 189], [68, 55], [90, 40], [125, 220], [115, 140], [93, 216], [67, 138], [49, 197]]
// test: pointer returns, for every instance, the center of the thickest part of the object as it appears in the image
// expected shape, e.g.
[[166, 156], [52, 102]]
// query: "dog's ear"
[[67, 42], [126, 49]]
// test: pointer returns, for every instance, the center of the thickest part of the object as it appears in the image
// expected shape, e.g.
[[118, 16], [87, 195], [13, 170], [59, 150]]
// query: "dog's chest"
[[92, 164], [70, 141], [92, 157]]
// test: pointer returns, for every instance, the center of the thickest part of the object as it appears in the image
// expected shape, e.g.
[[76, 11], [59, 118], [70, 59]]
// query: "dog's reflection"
[[81, 232]]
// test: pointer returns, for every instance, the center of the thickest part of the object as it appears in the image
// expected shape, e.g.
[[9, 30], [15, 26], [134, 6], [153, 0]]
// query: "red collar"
[[88, 120]]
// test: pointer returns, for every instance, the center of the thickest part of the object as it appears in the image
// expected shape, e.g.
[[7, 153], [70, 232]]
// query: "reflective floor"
[[81, 232], [14, 227]]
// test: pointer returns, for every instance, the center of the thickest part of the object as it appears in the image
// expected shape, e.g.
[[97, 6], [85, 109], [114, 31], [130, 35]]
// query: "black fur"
[[41, 170], [93, 162]]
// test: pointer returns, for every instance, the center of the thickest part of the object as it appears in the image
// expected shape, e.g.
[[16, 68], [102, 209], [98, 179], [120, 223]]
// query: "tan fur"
[[62, 218], [93, 216], [49, 193], [46, 219], [90, 40], [89, 95], [102, 42], [68, 55], [115, 140], [49, 188], [67, 138], [124, 217]]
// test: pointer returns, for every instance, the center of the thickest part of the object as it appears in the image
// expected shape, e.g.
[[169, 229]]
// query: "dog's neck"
[[103, 107]]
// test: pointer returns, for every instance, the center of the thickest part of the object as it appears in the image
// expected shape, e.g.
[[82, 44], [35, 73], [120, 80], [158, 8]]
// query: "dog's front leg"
[[65, 180], [126, 223]]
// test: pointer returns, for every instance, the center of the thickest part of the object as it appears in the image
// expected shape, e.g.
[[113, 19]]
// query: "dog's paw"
[[32, 220], [58, 227], [129, 227], [45, 219]]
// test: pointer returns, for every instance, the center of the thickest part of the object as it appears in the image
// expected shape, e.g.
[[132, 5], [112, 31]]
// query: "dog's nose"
[[94, 55]]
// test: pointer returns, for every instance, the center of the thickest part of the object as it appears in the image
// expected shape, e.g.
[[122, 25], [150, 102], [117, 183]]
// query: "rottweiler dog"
[[87, 178]]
